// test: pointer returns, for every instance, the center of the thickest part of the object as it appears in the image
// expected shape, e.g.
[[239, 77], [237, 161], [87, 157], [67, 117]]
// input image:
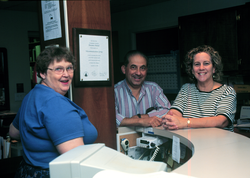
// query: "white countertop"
[[216, 152]]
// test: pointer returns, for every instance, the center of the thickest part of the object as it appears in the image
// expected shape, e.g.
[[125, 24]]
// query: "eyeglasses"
[[60, 70]]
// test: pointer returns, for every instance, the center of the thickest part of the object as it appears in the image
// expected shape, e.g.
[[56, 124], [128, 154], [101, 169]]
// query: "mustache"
[[136, 75]]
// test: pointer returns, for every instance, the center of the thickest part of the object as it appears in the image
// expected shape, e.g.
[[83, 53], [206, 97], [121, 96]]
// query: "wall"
[[14, 36], [159, 16], [16, 24]]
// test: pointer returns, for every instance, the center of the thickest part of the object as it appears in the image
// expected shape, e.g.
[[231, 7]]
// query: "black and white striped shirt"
[[193, 103]]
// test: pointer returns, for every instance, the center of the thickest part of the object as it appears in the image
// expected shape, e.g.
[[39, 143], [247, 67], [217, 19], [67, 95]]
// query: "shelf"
[[32, 64]]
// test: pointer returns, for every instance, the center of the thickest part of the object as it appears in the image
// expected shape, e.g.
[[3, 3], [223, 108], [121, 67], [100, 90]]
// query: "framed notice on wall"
[[92, 53], [51, 20]]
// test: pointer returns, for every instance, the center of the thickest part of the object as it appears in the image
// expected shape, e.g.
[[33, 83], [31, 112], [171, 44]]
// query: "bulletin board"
[[165, 71]]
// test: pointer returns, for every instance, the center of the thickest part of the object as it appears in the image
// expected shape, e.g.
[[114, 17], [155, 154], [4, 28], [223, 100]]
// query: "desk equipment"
[[6, 118], [243, 123], [150, 141], [87, 160]]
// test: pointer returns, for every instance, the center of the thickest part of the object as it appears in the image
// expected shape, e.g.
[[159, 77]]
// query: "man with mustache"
[[138, 102]]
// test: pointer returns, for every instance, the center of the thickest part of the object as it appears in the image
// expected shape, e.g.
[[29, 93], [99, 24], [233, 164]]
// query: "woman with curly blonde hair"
[[205, 102]]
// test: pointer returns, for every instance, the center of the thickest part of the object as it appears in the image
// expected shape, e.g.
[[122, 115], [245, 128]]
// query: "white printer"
[[87, 160], [243, 123]]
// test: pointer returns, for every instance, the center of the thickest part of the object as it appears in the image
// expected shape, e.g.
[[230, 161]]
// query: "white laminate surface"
[[216, 152]]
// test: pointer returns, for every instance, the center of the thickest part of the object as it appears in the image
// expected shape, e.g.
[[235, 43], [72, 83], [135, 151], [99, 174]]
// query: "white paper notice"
[[7, 149], [51, 20], [176, 149], [94, 57]]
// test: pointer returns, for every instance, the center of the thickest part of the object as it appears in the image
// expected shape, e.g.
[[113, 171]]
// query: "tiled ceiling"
[[116, 5]]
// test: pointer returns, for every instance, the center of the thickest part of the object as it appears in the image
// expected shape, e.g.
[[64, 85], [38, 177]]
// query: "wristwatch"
[[139, 115], [188, 122]]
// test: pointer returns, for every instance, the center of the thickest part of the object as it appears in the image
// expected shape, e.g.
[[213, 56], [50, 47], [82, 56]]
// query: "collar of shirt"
[[142, 91]]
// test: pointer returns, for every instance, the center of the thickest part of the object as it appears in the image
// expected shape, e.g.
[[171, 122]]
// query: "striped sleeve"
[[181, 99], [160, 102], [227, 104]]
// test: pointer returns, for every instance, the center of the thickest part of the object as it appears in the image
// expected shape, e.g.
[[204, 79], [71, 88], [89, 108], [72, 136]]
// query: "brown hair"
[[215, 58], [133, 53], [51, 54]]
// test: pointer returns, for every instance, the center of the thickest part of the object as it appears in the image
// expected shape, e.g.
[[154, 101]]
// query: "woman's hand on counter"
[[173, 120]]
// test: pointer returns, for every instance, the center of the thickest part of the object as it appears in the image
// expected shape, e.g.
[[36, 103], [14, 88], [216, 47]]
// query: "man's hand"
[[144, 121], [147, 121]]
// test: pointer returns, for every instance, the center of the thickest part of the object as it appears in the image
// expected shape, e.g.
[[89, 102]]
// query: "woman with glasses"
[[205, 102], [48, 123]]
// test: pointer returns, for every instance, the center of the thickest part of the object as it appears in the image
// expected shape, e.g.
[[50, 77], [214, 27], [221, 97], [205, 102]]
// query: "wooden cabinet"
[[9, 166], [217, 29]]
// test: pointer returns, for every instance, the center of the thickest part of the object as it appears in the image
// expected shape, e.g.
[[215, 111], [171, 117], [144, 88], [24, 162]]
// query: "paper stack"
[[5, 146]]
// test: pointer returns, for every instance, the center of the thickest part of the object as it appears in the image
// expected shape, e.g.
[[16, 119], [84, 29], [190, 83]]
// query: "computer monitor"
[[87, 160]]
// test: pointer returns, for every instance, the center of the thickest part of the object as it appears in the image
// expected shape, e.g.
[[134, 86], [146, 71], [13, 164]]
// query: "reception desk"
[[216, 152]]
